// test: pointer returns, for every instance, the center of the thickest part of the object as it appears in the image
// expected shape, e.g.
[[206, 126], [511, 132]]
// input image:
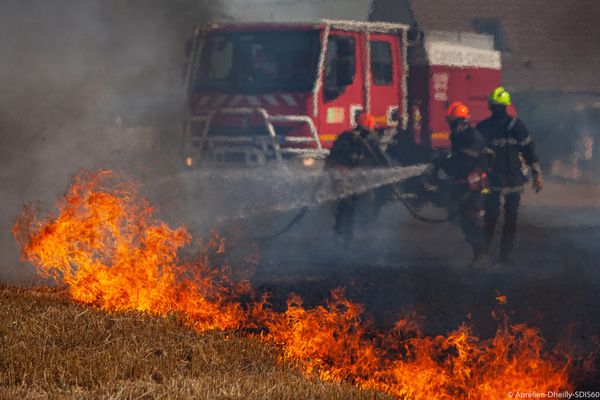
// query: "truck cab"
[[285, 91]]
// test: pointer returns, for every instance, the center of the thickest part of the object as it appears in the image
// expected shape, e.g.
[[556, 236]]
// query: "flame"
[[107, 246], [501, 299], [332, 341]]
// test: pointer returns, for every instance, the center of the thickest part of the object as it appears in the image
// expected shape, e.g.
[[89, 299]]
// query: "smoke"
[[295, 10], [94, 84], [98, 84]]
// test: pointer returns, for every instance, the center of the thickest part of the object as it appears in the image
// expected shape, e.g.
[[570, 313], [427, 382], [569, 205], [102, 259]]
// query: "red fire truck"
[[279, 91]]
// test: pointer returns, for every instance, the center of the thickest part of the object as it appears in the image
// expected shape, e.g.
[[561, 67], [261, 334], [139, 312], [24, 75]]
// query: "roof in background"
[[546, 44]]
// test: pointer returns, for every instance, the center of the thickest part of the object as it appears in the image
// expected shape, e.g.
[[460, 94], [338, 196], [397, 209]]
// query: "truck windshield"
[[258, 62]]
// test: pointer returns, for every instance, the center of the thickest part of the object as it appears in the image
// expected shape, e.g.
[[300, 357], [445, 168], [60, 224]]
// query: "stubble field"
[[53, 348]]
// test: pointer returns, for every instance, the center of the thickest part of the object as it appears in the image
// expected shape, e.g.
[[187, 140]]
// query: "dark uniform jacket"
[[469, 151], [404, 151], [356, 148], [508, 137]]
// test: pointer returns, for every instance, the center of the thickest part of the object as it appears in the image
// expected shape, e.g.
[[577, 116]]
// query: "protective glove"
[[538, 183]]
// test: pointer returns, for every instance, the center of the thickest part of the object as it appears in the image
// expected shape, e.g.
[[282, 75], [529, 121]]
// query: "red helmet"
[[458, 110], [366, 120]]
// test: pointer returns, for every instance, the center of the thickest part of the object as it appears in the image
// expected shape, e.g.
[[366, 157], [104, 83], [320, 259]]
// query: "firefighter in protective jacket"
[[515, 154], [467, 167], [356, 148]]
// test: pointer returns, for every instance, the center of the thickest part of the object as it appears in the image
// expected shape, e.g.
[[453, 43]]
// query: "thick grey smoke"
[[295, 10], [86, 84]]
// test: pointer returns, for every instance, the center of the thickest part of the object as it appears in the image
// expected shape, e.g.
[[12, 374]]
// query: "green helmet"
[[500, 96]]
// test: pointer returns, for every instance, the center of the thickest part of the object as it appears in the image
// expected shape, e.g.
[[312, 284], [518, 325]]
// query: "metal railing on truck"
[[204, 143]]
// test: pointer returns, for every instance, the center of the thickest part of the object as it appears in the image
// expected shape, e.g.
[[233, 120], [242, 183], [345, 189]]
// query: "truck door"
[[481, 82], [343, 89], [385, 80]]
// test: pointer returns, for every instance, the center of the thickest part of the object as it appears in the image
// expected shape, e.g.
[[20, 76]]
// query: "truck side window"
[[381, 63], [340, 66], [219, 63]]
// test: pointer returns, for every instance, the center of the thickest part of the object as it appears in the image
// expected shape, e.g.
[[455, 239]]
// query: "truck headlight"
[[308, 162]]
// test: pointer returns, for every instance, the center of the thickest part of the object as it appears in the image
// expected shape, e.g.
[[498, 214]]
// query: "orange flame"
[[107, 246], [111, 252], [501, 299]]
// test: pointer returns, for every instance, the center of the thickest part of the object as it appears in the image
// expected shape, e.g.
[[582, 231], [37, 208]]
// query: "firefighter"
[[356, 148], [408, 148], [515, 155], [467, 167]]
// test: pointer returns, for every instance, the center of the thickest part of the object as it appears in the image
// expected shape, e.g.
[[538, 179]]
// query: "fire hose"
[[398, 195], [297, 218]]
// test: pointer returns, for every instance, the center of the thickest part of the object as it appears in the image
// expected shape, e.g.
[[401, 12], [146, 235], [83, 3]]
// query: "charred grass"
[[53, 348]]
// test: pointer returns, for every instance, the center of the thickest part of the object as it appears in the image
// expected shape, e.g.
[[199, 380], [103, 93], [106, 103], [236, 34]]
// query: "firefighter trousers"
[[344, 218], [492, 213], [469, 217], [359, 210]]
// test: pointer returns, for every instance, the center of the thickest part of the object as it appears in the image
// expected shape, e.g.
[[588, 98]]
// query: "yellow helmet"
[[500, 96]]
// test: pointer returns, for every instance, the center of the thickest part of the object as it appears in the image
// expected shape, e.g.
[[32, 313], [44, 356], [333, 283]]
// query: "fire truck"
[[261, 92]]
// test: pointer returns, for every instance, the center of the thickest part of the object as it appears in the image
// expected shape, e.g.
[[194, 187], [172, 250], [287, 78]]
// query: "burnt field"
[[554, 286], [403, 267]]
